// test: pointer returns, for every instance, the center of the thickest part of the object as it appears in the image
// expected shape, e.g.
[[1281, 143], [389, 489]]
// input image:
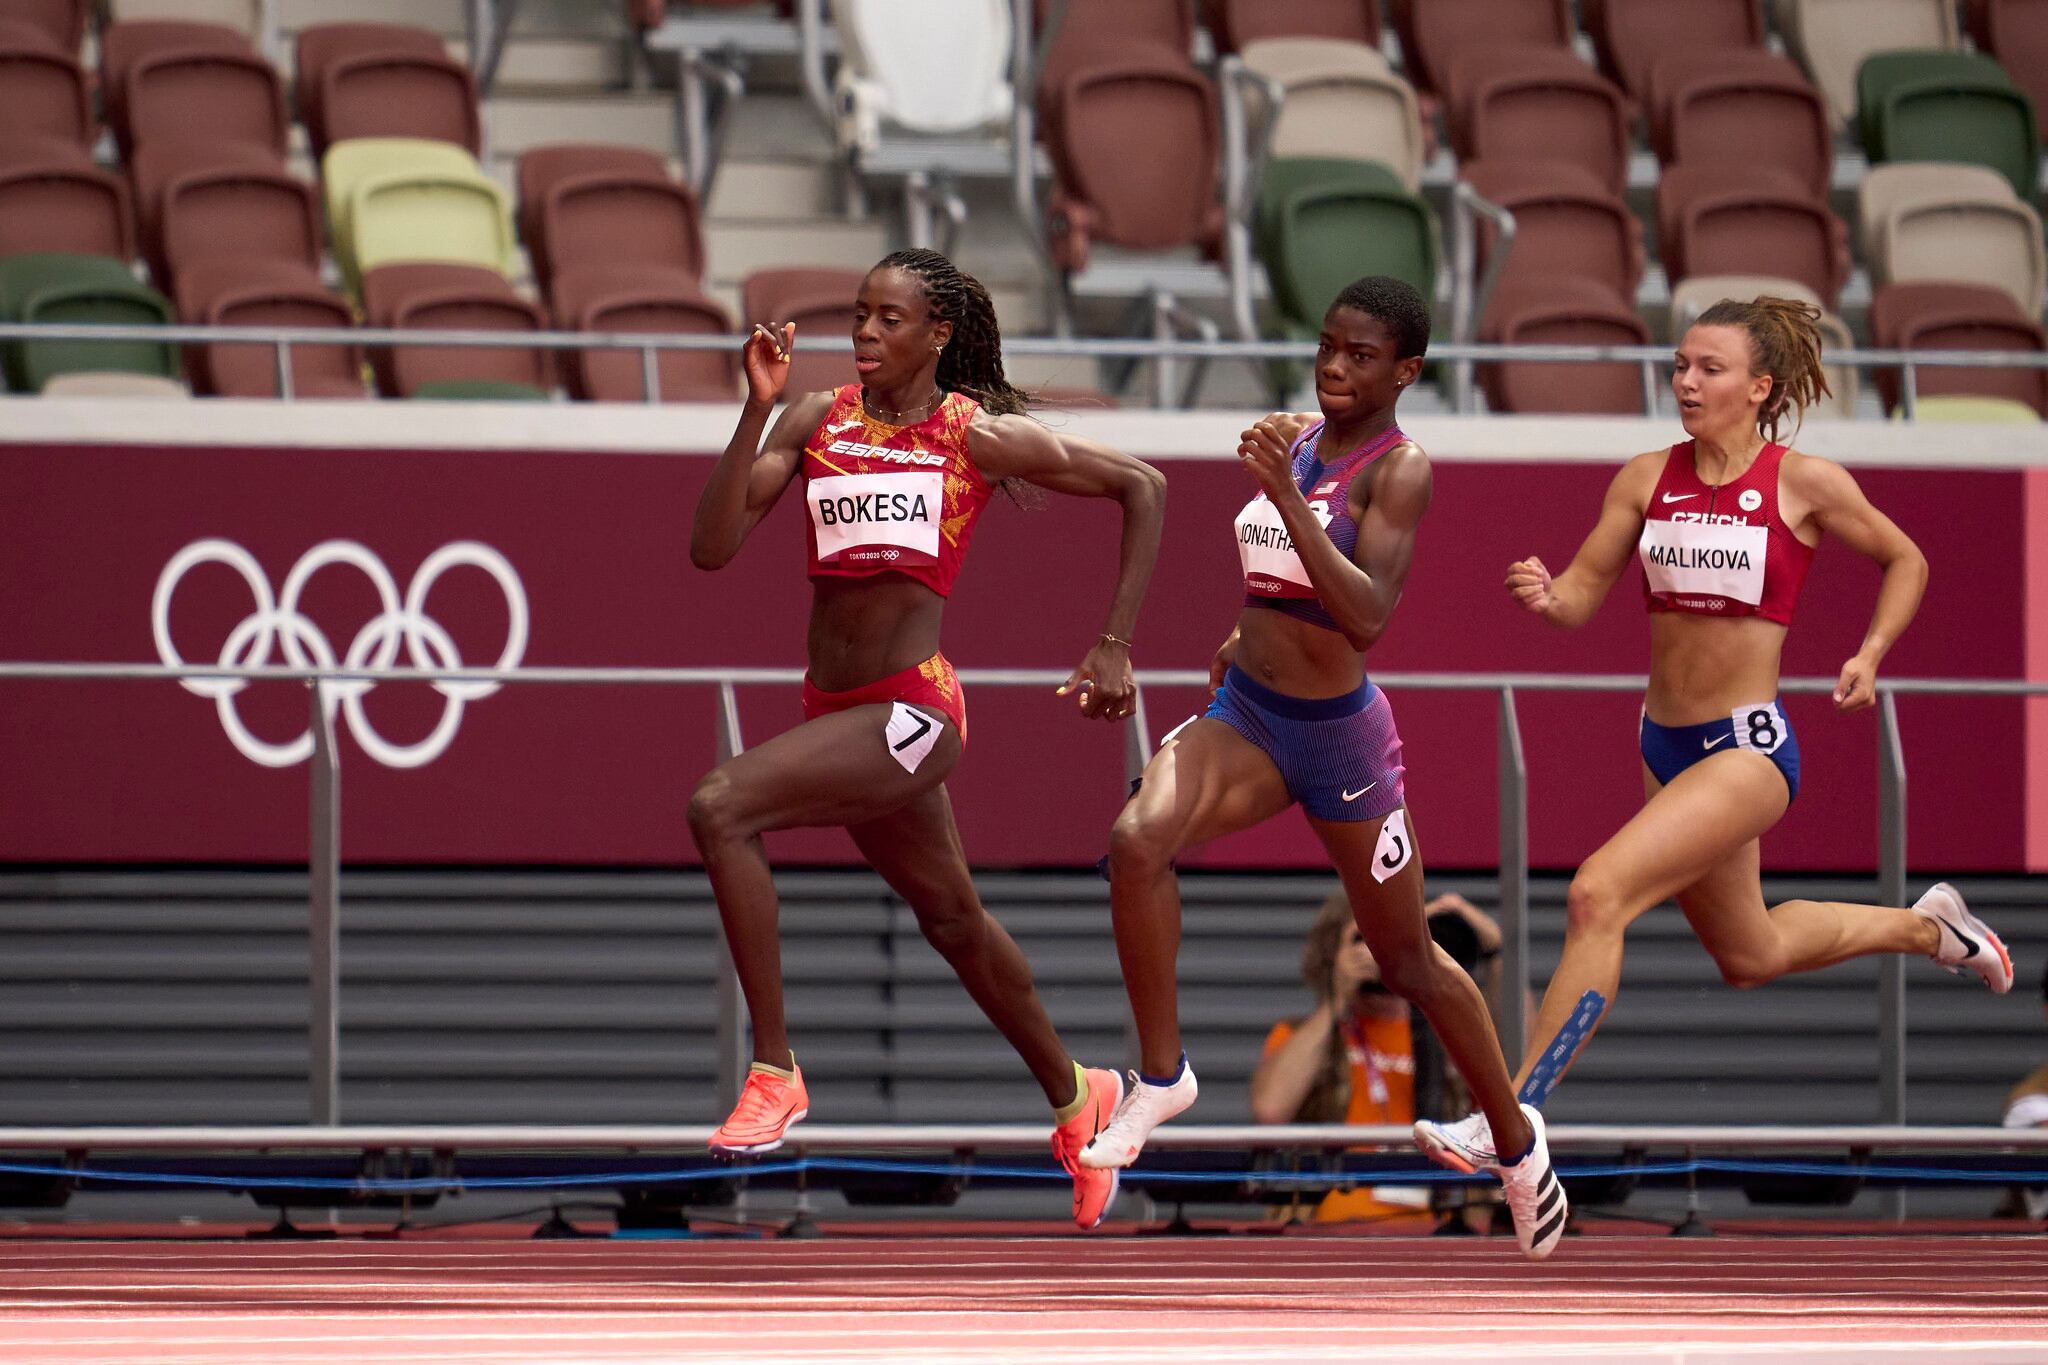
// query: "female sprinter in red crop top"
[[896, 469], [1725, 525]]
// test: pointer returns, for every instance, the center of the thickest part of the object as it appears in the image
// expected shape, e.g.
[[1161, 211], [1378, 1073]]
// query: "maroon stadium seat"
[[64, 205], [398, 94], [1237, 22], [541, 167], [1537, 103], [1435, 33], [267, 294], [1569, 229], [235, 212], [2016, 32], [122, 45], [1723, 219], [1632, 36], [1949, 315], [466, 310], [612, 219], [644, 299], [43, 92], [820, 303], [192, 96], [1744, 107], [1560, 387], [322, 44], [61, 21]]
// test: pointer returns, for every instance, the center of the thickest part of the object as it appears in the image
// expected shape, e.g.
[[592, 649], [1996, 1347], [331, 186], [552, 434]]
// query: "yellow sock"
[[789, 1075], [1073, 1106]]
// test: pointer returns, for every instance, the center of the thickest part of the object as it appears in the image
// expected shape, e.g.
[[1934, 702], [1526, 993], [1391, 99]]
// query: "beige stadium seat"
[[360, 165], [1343, 100], [1692, 297], [1900, 182], [1964, 236], [245, 16], [1832, 37], [113, 384]]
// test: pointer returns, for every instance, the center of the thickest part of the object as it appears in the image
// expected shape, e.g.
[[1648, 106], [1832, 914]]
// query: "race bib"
[[1272, 568], [1395, 848], [882, 520], [910, 734], [1693, 559], [1760, 728]]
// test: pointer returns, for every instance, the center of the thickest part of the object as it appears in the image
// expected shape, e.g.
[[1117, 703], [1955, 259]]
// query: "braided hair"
[[1784, 343], [972, 362]]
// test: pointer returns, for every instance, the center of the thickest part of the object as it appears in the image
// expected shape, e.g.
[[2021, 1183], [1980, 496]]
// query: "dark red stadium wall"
[[545, 774]]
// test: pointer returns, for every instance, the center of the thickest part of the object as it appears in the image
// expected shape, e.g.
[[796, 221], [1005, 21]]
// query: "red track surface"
[[1069, 1299]]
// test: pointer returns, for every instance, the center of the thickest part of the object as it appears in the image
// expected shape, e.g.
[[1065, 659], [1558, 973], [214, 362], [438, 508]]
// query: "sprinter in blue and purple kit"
[[1325, 545]]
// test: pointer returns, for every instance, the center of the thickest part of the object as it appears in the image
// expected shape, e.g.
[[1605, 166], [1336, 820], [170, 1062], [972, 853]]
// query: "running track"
[[1067, 1299]]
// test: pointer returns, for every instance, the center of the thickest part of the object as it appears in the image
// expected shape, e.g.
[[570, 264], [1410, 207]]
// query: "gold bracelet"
[[1109, 639]]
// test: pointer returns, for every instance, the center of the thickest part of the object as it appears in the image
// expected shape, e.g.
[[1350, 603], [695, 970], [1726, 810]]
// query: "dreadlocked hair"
[[972, 362], [1329, 1097], [1784, 343]]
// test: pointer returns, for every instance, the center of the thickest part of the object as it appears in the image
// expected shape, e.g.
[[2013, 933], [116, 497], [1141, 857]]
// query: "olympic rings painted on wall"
[[277, 621]]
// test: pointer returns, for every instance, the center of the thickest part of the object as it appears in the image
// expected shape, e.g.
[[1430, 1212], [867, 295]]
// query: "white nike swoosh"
[[1679, 497], [1353, 796], [1710, 743]]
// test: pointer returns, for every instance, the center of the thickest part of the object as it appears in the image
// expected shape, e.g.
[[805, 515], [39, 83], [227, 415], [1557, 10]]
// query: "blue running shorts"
[[1339, 756], [1760, 728]]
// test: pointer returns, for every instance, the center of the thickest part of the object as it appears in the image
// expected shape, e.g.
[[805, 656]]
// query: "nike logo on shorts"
[[1679, 497], [1353, 796], [1710, 743]]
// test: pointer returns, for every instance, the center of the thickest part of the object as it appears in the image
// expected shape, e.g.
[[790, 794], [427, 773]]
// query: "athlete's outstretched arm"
[[1017, 447], [749, 477], [1842, 511], [1360, 592], [1571, 598]]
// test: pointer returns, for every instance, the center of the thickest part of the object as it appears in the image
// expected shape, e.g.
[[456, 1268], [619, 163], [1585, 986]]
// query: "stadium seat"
[[634, 299], [1963, 233], [67, 205], [1589, 319], [62, 21], [222, 97], [462, 310], [239, 213], [540, 168], [1538, 103], [2016, 32], [1435, 33], [1743, 106], [1631, 37], [1098, 35], [321, 45], [1321, 223], [124, 44], [112, 384], [270, 294], [1950, 106], [429, 201], [62, 287], [1964, 407], [820, 303], [480, 391], [244, 16], [928, 66], [42, 90], [1901, 182], [612, 219], [1694, 296], [1947, 315], [1136, 161], [1832, 37], [1343, 100], [1720, 219], [1569, 229], [399, 94], [1237, 24]]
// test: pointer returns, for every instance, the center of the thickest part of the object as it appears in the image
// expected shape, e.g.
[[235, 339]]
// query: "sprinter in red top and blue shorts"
[[896, 471], [1325, 545], [1725, 525]]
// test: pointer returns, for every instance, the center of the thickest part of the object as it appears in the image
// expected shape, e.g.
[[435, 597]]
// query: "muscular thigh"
[[1725, 906], [1205, 782], [1381, 869], [916, 849], [1688, 828], [836, 770]]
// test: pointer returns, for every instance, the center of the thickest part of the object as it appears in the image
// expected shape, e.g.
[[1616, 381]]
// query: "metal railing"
[[324, 686], [651, 345]]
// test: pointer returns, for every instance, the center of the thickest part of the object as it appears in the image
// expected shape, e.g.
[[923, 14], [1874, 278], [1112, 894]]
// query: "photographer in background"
[[1360, 1056]]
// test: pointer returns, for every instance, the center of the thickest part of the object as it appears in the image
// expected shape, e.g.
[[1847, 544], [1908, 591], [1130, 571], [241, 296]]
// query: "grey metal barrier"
[[324, 804], [650, 345]]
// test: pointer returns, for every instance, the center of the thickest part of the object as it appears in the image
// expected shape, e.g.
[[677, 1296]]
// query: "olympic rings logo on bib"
[[276, 619]]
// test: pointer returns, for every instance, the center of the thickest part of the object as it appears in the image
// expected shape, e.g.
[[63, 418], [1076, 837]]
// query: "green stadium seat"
[[1949, 106], [58, 287], [1321, 222]]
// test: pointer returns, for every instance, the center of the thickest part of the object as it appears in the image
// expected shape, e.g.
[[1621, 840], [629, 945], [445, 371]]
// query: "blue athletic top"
[[1273, 573]]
